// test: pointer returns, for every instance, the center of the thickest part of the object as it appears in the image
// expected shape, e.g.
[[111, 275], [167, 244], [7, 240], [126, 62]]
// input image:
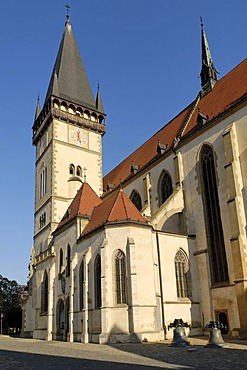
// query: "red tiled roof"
[[147, 151], [227, 91], [83, 204], [117, 207]]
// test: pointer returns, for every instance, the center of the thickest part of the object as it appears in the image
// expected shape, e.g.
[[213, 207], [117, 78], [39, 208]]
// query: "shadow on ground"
[[198, 357], [11, 360]]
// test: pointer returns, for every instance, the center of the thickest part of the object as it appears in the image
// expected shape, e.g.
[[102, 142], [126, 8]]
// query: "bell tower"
[[67, 134]]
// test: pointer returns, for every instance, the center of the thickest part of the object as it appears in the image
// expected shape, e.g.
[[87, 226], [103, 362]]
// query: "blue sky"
[[146, 55]]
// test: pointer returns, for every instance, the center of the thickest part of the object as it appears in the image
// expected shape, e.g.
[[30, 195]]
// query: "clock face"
[[77, 136]]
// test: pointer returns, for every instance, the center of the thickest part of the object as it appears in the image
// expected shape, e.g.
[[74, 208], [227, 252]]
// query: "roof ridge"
[[113, 204]]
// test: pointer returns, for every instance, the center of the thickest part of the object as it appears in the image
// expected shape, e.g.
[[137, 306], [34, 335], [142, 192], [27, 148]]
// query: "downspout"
[[161, 286]]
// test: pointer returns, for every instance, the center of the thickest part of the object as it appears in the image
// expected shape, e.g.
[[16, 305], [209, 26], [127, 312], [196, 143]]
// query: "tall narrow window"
[[182, 271], [81, 285], [164, 187], [214, 231], [120, 277], [97, 281], [44, 294], [43, 182], [136, 200], [68, 260], [61, 261]]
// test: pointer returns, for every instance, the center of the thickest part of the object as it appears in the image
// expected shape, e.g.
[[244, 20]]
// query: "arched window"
[[136, 200], [183, 279], [68, 260], [71, 169], [81, 285], [97, 281], [164, 187], [60, 261], [44, 294], [214, 231], [120, 277], [43, 182], [78, 171]]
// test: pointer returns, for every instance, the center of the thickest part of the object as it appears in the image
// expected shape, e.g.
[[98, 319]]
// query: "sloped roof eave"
[[112, 224]]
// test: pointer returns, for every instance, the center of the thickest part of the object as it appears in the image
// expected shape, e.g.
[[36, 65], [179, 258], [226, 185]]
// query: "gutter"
[[161, 286]]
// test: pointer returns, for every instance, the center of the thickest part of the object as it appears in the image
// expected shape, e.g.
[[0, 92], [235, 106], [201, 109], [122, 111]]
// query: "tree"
[[11, 297]]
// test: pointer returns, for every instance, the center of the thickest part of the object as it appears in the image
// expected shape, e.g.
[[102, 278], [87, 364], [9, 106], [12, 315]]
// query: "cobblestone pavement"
[[17, 353]]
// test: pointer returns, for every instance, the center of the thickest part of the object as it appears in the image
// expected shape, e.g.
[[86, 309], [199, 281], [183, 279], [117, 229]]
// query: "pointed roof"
[[116, 208], [208, 72], [227, 93], [69, 79], [83, 204], [99, 103], [38, 109]]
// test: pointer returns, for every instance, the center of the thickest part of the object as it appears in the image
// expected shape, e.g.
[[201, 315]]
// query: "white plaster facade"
[[178, 224]]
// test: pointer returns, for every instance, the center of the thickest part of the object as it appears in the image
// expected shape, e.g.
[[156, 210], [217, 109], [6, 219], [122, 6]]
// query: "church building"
[[160, 237]]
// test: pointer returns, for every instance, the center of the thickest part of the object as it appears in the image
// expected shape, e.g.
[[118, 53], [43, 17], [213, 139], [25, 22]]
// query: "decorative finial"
[[68, 8], [201, 23], [98, 85], [85, 174]]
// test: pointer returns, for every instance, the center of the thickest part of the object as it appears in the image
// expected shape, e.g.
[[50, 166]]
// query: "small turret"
[[38, 109], [99, 103], [208, 72]]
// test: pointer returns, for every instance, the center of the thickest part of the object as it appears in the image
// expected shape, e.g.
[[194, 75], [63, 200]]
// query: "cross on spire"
[[67, 10], [85, 174]]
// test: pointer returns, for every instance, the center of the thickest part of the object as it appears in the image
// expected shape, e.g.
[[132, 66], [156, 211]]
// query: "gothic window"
[[182, 271], [136, 200], [120, 277], [81, 285], [71, 169], [214, 231], [44, 294], [164, 187], [43, 182], [68, 260], [60, 261], [78, 171], [97, 281]]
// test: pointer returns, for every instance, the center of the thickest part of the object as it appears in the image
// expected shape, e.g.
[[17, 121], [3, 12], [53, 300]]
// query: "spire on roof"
[[69, 79], [99, 103], [208, 72], [38, 109]]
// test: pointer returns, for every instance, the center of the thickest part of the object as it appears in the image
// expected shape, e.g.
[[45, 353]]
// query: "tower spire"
[[38, 108], [208, 72], [99, 103], [69, 78]]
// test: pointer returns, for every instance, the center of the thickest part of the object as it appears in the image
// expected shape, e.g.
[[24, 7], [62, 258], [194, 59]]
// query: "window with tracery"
[[97, 281], [214, 231], [43, 182], [183, 279], [165, 187], [120, 277], [136, 200]]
